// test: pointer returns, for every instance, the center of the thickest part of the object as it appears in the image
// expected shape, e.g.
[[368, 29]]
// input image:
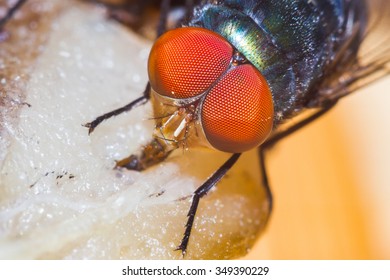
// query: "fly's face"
[[202, 85]]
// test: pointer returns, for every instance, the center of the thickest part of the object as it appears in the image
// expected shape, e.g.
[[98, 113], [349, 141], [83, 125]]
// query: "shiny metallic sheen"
[[243, 33], [290, 42]]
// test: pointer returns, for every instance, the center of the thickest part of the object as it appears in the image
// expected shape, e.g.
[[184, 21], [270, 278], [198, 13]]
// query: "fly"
[[234, 71]]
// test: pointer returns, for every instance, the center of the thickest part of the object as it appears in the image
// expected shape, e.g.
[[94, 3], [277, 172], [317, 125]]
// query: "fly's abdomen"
[[289, 42]]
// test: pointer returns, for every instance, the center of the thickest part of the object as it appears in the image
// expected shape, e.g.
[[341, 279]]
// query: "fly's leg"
[[11, 12], [135, 103], [275, 139], [156, 151], [265, 182], [165, 5], [199, 193], [295, 127]]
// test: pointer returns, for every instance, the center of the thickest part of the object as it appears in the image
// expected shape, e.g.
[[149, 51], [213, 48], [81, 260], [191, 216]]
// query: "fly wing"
[[363, 56]]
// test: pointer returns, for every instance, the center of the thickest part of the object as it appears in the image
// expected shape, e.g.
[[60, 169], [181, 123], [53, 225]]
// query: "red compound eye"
[[184, 62], [237, 114]]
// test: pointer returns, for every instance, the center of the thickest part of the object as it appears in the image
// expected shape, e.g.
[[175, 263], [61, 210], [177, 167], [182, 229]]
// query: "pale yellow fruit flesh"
[[59, 194]]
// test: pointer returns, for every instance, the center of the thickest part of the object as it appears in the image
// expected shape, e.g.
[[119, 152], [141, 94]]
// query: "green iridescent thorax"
[[243, 33]]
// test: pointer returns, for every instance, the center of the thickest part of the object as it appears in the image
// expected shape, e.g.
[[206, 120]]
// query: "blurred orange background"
[[331, 184]]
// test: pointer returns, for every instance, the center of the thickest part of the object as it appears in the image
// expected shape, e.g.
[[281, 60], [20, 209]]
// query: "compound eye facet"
[[237, 113], [184, 62]]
